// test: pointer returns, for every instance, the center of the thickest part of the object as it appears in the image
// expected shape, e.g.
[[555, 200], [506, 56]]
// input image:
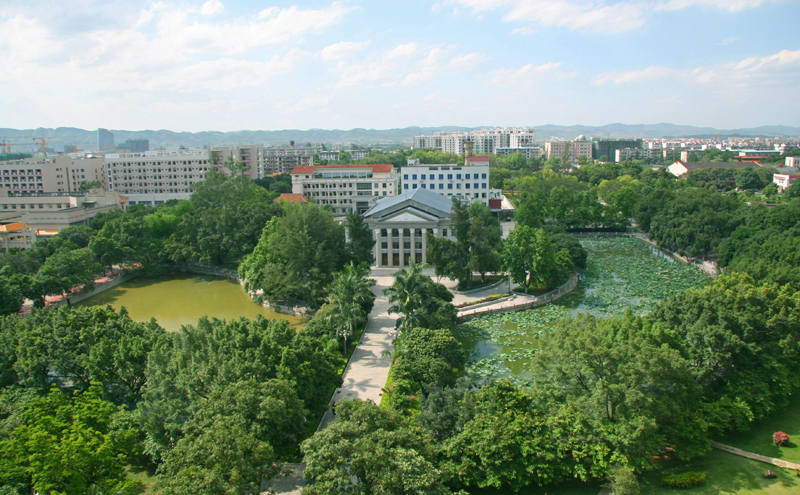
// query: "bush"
[[781, 439], [623, 482], [683, 480]]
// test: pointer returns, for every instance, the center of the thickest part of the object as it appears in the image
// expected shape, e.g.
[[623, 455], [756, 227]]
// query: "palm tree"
[[345, 316], [348, 293], [407, 294]]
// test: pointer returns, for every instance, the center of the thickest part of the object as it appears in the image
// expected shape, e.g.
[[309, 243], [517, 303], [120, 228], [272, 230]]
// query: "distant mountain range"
[[83, 139]]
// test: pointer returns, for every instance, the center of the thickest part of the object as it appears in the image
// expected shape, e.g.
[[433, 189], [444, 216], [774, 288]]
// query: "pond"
[[621, 273], [180, 299]]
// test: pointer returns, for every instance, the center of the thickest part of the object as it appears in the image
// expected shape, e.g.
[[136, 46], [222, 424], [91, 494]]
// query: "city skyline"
[[225, 65]]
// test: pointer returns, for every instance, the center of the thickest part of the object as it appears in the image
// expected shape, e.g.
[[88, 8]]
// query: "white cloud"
[[435, 55], [602, 16], [343, 49], [527, 74], [753, 74], [212, 7], [404, 50], [467, 61]]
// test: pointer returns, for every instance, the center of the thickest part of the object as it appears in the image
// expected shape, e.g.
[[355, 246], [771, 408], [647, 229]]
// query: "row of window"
[[31, 207], [449, 186], [23, 172], [441, 176]]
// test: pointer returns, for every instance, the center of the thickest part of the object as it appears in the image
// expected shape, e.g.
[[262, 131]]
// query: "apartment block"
[[157, 172], [529, 152], [485, 141], [608, 147], [345, 188], [57, 174], [568, 150]]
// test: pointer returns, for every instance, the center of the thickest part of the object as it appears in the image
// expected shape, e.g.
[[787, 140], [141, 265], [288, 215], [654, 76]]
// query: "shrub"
[[781, 439], [683, 480]]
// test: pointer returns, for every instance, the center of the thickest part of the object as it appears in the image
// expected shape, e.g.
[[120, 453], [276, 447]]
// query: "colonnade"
[[395, 247]]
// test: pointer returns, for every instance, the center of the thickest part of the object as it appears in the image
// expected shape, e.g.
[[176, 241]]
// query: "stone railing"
[[521, 302], [756, 457]]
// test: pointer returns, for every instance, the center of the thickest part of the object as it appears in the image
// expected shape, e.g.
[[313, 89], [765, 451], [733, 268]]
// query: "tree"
[[429, 357], [528, 256], [572, 245], [65, 446], [310, 248], [215, 354], [64, 271], [369, 449], [78, 235], [359, 240], [222, 459], [747, 178], [636, 391], [485, 235], [406, 294]]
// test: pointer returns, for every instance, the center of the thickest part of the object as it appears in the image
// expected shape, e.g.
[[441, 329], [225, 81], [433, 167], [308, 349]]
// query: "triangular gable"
[[410, 215]]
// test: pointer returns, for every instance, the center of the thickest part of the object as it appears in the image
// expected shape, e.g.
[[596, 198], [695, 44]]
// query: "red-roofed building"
[[345, 188], [292, 198]]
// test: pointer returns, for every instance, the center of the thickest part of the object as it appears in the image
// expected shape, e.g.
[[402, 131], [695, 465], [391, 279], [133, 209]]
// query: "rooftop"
[[291, 198], [384, 167], [424, 197]]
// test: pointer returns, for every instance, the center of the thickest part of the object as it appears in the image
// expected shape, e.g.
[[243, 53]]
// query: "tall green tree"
[[528, 256], [359, 240], [369, 450]]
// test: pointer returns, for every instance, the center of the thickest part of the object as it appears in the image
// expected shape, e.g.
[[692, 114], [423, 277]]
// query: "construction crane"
[[40, 140]]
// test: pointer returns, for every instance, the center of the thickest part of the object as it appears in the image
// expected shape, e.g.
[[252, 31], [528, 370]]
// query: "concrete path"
[[756, 457]]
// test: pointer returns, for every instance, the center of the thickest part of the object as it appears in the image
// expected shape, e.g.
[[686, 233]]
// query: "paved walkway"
[[756, 457]]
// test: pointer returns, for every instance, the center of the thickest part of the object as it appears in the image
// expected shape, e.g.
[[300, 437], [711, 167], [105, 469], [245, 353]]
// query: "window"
[[441, 176], [477, 185], [384, 185], [483, 176], [405, 176], [467, 177], [441, 186], [405, 186], [414, 186], [449, 176], [466, 186], [449, 186], [483, 185], [483, 195], [458, 176], [422, 177], [413, 176], [423, 186], [458, 186], [444, 232]]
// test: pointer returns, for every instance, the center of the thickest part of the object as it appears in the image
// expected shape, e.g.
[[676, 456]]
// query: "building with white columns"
[[399, 225]]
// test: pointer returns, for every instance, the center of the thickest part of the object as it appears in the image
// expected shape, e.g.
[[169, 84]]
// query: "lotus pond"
[[621, 273]]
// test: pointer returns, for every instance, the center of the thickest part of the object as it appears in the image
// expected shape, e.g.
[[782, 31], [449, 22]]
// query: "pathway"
[[756, 457]]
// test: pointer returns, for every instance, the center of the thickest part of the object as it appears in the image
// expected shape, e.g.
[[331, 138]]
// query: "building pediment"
[[409, 215]]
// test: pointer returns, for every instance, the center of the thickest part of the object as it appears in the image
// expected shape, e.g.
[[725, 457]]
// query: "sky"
[[227, 65]]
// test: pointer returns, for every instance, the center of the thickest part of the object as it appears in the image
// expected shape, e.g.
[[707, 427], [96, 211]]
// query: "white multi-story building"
[[268, 160], [529, 152], [486, 141], [153, 177], [61, 174], [634, 153], [568, 150], [469, 182], [345, 188]]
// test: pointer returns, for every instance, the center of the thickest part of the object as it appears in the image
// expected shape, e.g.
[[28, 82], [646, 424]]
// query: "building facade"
[[466, 182], [568, 150], [486, 141], [530, 152], [105, 141], [61, 174], [156, 172], [345, 188], [608, 147], [400, 225]]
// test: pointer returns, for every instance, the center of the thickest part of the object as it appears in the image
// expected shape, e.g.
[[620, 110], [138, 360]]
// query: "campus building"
[[399, 225], [61, 174], [485, 141], [608, 147], [345, 188], [154, 177], [469, 182], [568, 151]]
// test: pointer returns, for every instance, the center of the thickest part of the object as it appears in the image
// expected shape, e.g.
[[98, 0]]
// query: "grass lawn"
[[145, 474], [570, 488], [759, 439], [727, 474]]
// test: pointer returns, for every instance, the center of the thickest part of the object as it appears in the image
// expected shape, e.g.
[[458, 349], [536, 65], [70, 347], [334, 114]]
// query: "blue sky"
[[232, 65]]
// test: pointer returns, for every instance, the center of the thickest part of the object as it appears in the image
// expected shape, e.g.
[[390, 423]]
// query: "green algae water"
[[621, 273], [181, 299]]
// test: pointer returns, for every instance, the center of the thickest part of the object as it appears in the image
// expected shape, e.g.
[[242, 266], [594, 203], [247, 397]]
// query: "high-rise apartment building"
[[135, 145], [105, 141], [608, 147], [568, 150], [485, 141]]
